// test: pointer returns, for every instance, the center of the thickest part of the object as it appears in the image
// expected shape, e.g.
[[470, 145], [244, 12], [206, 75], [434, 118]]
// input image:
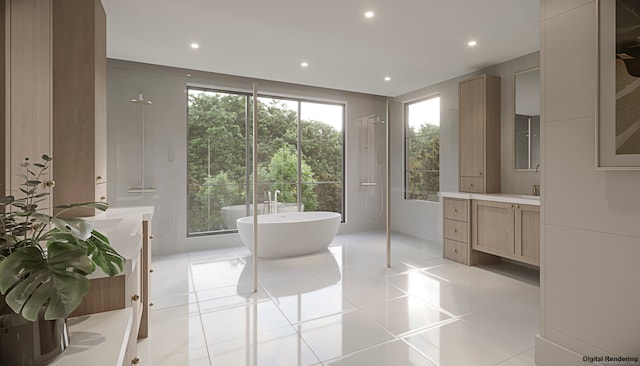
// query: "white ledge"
[[123, 227], [97, 339], [520, 199]]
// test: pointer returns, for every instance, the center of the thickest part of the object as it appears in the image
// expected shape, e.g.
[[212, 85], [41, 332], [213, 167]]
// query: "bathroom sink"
[[524, 196], [106, 224]]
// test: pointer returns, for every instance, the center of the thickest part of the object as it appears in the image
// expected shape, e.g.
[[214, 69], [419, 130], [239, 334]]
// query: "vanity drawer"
[[455, 209], [472, 184], [456, 251], [455, 230]]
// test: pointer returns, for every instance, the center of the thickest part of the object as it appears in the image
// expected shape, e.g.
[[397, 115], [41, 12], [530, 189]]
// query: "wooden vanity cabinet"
[[527, 234], [507, 230], [123, 291], [456, 229], [479, 106]]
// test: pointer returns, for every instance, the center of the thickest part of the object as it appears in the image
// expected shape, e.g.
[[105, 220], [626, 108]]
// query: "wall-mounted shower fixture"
[[142, 189], [371, 161]]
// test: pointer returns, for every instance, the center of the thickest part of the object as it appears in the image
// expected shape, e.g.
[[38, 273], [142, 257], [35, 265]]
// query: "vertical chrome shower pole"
[[141, 142], [255, 188], [388, 179]]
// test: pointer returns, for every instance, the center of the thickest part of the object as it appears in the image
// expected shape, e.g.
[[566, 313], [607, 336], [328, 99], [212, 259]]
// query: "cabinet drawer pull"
[[151, 270], [150, 304], [151, 236], [455, 230], [135, 360], [103, 198], [479, 173], [50, 183], [455, 250], [99, 178], [470, 184], [135, 297], [455, 210]]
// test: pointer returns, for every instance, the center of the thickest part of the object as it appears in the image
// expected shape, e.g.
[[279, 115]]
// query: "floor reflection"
[[341, 306]]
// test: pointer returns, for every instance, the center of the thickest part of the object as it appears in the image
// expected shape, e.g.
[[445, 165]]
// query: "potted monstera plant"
[[44, 263]]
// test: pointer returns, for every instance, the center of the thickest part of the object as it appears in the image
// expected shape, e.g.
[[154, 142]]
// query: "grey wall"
[[165, 146], [421, 218], [590, 218]]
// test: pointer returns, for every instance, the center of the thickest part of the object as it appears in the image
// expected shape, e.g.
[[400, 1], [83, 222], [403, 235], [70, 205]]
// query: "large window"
[[422, 149], [300, 155]]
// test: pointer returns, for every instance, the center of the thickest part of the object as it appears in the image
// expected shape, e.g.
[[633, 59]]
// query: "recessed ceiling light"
[[387, 78], [195, 46], [304, 64], [369, 14], [472, 43]]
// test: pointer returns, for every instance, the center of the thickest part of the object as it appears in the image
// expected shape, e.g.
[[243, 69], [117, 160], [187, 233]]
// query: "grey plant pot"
[[25, 343]]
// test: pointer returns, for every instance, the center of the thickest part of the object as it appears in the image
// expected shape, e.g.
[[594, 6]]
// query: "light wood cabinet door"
[[492, 227], [27, 84], [79, 102], [479, 106], [472, 99], [147, 238], [527, 234]]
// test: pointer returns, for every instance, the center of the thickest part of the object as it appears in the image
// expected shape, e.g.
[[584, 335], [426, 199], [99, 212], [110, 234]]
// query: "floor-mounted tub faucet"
[[272, 205], [275, 202]]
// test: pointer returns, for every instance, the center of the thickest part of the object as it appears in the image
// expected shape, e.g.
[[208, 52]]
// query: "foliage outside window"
[[422, 149], [220, 152]]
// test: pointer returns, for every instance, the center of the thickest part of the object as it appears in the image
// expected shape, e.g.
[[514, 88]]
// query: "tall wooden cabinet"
[[54, 96], [26, 87], [79, 102], [479, 107], [3, 97]]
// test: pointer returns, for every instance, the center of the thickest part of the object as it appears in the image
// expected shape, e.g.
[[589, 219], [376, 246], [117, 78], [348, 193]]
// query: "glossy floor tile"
[[341, 334], [277, 347], [394, 353], [340, 307], [460, 343]]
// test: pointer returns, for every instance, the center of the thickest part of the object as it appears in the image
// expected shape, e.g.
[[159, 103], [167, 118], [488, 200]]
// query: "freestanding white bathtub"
[[291, 233]]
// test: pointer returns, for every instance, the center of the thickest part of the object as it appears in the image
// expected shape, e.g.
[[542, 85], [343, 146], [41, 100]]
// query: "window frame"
[[249, 142], [406, 171]]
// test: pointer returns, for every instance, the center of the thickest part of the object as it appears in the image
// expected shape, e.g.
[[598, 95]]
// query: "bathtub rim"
[[326, 215]]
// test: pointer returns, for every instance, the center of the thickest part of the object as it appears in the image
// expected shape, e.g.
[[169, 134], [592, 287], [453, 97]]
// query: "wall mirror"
[[526, 85]]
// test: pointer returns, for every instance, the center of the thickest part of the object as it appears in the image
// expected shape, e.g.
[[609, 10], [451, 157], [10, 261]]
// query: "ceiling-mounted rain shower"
[[142, 189]]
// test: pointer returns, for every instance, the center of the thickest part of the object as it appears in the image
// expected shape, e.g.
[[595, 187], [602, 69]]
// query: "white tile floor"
[[340, 307]]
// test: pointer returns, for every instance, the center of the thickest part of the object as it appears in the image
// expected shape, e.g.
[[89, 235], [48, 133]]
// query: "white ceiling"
[[415, 42]]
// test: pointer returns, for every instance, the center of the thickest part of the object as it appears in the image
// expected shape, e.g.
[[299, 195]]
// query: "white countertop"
[[520, 199], [123, 227], [97, 339]]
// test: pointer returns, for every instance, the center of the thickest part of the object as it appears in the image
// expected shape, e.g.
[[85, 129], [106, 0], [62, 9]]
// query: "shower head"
[[374, 119], [140, 100]]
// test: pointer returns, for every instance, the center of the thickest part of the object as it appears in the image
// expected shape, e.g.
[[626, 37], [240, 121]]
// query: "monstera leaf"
[[96, 247], [103, 254], [58, 281]]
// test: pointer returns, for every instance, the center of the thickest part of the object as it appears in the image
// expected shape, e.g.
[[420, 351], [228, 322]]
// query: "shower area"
[[371, 163]]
